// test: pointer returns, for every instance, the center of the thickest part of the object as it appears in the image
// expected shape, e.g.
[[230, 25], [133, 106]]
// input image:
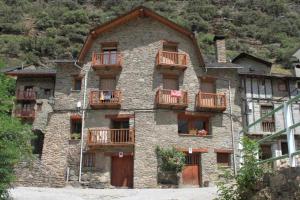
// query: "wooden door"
[[208, 86], [191, 170], [170, 84], [122, 171]]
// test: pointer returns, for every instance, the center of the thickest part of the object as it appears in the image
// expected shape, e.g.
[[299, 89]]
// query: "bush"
[[241, 186], [170, 159]]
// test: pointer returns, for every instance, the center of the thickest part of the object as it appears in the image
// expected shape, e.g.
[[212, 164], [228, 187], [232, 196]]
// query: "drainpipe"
[[231, 129], [83, 118]]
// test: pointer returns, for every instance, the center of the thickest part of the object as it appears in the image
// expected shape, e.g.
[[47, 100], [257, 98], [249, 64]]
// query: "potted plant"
[[75, 136]]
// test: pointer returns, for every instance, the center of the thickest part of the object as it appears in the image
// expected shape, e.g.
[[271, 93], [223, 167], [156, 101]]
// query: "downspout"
[[83, 117], [231, 129]]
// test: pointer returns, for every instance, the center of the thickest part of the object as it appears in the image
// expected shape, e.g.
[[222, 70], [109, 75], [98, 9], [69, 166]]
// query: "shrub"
[[170, 159]]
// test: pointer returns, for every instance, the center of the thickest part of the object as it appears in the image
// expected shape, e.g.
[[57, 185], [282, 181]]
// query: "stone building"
[[265, 86], [140, 82]]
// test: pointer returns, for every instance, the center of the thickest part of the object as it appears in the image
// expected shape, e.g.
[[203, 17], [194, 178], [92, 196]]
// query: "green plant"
[[14, 137], [241, 186], [170, 159]]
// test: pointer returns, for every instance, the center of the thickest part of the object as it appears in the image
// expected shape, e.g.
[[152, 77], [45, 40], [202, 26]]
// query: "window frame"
[[280, 83], [228, 158], [89, 160], [191, 124], [73, 127], [75, 79]]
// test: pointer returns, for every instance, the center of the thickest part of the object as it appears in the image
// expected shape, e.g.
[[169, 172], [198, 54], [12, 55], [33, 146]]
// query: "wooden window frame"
[[171, 76], [272, 108], [220, 158], [191, 119], [170, 44]]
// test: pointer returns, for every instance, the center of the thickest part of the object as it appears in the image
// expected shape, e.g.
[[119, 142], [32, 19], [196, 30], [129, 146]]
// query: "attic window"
[[170, 46]]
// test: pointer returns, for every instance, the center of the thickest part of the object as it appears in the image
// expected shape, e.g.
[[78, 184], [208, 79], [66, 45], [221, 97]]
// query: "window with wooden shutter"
[[268, 123]]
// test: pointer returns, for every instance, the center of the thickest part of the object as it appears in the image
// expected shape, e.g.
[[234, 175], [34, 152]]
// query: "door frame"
[[199, 168]]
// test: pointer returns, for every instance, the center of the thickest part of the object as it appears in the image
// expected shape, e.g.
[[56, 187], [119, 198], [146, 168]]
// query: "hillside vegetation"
[[36, 31]]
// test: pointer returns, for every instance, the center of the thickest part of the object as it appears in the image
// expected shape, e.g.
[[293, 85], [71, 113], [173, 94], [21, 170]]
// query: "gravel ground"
[[33, 193]]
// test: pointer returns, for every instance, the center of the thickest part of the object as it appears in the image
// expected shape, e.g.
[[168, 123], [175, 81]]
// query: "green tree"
[[14, 137], [241, 186]]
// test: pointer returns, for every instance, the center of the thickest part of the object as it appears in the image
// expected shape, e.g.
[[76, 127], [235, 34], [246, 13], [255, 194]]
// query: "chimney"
[[220, 48]]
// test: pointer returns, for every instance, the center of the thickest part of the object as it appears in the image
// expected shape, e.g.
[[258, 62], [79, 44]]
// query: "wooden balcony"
[[171, 99], [110, 137], [171, 60], [26, 95], [105, 99], [210, 102], [268, 126], [26, 114], [106, 61]]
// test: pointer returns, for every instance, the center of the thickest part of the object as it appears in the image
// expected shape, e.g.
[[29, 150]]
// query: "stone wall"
[[282, 185]]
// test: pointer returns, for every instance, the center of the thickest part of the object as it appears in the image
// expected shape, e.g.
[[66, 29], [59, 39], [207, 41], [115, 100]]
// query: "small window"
[[170, 46], [192, 125], [265, 152], [47, 93], [77, 83], [39, 106], [282, 86], [89, 160], [76, 129], [223, 159], [268, 124], [284, 148]]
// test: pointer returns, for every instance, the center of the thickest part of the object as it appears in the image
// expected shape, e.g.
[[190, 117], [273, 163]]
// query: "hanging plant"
[[170, 159]]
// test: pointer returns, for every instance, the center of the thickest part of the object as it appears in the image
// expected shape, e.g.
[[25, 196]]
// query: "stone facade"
[[139, 41]]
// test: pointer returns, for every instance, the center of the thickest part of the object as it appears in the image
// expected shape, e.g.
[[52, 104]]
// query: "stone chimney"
[[220, 48]]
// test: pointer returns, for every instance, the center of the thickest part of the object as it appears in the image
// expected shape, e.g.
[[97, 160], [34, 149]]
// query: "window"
[[268, 124], [223, 159], [282, 86], [284, 148], [298, 85], [208, 85], [170, 46], [265, 152], [109, 51], [170, 83], [77, 83], [192, 125], [76, 129], [37, 143], [107, 83], [89, 160], [39, 106], [47, 93]]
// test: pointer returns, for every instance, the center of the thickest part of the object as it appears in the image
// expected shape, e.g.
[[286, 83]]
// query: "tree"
[[14, 137]]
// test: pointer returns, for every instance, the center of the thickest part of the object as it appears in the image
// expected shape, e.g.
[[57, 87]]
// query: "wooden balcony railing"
[[268, 126], [25, 95], [104, 60], [211, 101], [100, 136], [168, 59], [105, 98], [22, 113], [176, 99]]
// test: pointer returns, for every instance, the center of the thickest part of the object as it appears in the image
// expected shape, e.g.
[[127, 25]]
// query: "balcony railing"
[[105, 98], [168, 59], [176, 99], [100, 136], [104, 60], [211, 101], [25, 113], [268, 126], [25, 95]]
